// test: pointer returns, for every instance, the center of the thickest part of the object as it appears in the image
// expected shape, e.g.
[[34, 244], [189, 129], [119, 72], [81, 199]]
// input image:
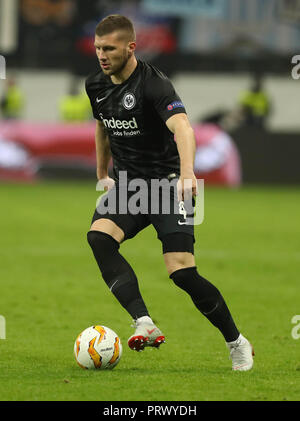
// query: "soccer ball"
[[98, 347]]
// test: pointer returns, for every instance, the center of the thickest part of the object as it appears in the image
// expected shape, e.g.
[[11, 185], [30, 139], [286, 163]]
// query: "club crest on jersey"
[[128, 101]]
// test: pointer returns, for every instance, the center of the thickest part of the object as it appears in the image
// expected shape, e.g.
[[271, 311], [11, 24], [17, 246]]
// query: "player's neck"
[[126, 72]]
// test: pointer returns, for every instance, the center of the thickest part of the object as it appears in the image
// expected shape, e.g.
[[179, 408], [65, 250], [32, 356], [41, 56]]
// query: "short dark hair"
[[113, 23]]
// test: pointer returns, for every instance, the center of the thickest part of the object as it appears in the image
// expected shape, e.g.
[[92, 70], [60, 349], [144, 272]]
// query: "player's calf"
[[208, 299], [117, 273]]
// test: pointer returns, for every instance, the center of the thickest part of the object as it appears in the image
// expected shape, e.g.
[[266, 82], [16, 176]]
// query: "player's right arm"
[[103, 153]]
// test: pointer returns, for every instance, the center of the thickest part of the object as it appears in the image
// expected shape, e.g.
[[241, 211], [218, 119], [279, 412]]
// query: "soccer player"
[[138, 114]]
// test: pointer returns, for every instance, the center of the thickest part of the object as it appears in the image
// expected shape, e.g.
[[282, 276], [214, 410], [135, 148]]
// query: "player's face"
[[113, 52]]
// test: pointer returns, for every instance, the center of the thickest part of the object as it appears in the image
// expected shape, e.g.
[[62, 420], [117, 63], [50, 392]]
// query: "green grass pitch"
[[248, 246]]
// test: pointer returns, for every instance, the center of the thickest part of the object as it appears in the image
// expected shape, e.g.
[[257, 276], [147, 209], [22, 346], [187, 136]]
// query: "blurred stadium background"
[[213, 50]]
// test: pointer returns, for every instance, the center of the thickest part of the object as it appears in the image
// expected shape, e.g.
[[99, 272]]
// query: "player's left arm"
[[185, 139]]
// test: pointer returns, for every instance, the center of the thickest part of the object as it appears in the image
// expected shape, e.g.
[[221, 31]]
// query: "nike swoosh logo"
[[150, 331], [113, 285], [100, 99], [182, 223], [211, 311]]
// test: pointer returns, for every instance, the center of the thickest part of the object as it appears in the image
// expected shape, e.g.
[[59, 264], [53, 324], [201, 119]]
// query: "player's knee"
[[101, 242], [106, 252], [177, 261], [178, 250]]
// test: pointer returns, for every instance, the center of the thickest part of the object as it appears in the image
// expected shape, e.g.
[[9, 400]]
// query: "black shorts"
[[133, 211]]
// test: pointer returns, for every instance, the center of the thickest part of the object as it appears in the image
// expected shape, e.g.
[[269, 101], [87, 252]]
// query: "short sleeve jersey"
[[134, 115]]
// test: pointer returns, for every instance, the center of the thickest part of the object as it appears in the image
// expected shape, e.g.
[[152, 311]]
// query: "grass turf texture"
[[51, 290]]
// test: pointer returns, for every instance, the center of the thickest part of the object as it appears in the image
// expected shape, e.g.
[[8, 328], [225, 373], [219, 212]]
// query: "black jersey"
[[134, 114]]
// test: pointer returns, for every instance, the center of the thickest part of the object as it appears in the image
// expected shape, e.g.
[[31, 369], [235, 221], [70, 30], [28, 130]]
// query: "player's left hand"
[[105, 184], [187, 187]]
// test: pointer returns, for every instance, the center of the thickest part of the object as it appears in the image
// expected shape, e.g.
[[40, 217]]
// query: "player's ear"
[[131, 46]]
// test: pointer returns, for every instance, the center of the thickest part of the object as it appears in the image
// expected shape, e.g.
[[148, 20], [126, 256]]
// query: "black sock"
[[117, 273], [208, 299]]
